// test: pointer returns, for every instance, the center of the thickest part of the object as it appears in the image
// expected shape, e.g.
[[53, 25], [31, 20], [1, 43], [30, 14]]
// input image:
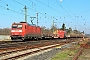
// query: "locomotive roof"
[[31, 24], [26, 23]]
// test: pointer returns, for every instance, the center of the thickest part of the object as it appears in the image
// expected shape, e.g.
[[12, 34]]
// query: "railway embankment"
[[5, 38], [79, 51], [66, 49]]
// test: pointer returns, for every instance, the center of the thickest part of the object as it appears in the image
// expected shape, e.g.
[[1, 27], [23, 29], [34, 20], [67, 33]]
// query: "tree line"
[[5, 31], [54, 28]]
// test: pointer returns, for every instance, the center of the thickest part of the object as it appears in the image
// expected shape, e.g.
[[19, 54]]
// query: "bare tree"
[[5, 31]]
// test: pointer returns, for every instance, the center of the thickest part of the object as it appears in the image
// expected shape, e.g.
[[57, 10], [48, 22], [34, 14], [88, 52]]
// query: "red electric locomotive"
[[23, 31], [59, 34]]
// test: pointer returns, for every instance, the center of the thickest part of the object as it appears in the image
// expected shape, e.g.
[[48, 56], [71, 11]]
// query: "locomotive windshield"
[[19, 26], [16, 26]]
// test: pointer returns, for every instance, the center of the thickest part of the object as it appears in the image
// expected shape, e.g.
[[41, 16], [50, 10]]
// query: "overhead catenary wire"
[[40, 8], [68, 7], [64, 10], [6, 8], [34, 4], [50, 7], [28, 7], [9, 15], [23, 5], [18, 2], [11, 10], [4, 2], [2, 7], [83, 12]]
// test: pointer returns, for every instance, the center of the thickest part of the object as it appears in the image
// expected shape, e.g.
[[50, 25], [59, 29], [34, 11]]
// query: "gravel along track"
[[44, 55]]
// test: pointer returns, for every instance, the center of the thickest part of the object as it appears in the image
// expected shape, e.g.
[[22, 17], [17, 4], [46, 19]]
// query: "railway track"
[[22, 49], [84, 46]]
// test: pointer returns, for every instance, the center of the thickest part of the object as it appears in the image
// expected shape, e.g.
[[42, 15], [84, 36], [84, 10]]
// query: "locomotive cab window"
[[19, 26], [25, 26], [14, 26]]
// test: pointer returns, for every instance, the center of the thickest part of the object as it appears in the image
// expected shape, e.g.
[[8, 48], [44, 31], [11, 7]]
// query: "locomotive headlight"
[[20, 31], [16, 30], [12, 30]]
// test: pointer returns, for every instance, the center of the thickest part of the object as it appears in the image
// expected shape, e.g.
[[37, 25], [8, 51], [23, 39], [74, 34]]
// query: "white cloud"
[[61, 0]]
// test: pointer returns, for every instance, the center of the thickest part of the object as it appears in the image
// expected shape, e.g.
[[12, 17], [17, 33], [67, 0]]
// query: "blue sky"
[[74, 13]]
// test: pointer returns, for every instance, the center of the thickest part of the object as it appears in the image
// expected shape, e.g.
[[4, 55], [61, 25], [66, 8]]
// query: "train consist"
[[24, 30]]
